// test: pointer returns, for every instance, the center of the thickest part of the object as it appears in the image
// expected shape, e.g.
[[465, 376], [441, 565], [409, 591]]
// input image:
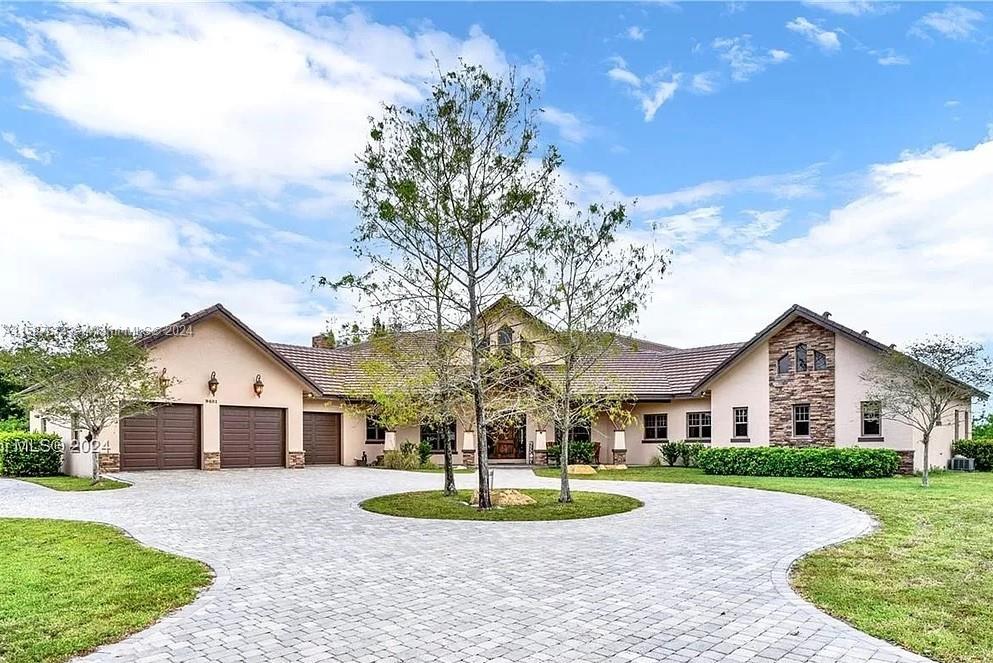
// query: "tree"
[[454, 189], [921, 385], [591, 289], [78, 373], [9, 408], [982, 426]]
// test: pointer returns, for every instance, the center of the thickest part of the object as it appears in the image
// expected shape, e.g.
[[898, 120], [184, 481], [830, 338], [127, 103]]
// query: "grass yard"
[[434, 504], [925, 581], [68, 587], [63, 482]]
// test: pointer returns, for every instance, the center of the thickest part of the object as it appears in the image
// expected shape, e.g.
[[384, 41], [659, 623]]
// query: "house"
[[237, 400]]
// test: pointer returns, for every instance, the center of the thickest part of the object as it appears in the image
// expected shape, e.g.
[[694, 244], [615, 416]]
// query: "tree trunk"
[[482, 457], [449, 472], [95, 455], [927, 462], [565, 494]]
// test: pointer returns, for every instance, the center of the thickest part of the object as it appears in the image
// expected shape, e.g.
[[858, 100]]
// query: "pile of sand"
[[506, 497]]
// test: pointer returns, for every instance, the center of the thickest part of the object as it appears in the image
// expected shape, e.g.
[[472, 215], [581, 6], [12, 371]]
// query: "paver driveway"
[[303, 574]]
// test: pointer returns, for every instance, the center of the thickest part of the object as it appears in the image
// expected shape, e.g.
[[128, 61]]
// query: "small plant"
[[655, 461], [13, 424], [424, 453], [671, 452], [689, 452], [404, 458], [581, 452]]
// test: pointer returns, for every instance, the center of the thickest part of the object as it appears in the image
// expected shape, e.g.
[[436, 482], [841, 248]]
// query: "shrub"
[[424, 452], [979, 450], [13, 424], [671, 452], [404, 458], [850, 462], [581, 452], [689, 452], [24, 454]]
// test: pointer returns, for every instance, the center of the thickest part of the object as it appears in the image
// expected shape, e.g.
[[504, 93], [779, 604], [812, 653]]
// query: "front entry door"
[[506, 440]]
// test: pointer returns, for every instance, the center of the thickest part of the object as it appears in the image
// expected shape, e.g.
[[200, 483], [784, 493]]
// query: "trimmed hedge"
[[24, 454], [979, 450], [580, 453], [837, 463]]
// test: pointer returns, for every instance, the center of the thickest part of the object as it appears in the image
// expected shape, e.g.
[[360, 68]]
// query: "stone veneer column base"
[[296, 461], [469, 458], [541, 458], [620, 456], [211, 460], [906, 462], [110, 462]]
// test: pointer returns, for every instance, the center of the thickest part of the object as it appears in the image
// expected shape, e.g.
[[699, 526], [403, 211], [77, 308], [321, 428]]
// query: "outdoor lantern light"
[[163, 381], [212, 382], [258, 385]]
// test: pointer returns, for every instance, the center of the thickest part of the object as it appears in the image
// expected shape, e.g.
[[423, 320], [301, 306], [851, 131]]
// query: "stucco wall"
[[746, 384], [640, 452]]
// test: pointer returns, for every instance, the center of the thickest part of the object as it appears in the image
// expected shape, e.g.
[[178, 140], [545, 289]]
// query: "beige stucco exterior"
[[746, 385]]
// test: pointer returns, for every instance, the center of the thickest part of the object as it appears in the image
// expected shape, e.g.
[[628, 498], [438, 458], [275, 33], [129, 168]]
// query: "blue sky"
[[838, 155]]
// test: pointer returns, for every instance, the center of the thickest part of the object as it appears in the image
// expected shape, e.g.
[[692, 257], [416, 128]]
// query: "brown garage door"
[[252, 437], [167, 438], [322, 438]]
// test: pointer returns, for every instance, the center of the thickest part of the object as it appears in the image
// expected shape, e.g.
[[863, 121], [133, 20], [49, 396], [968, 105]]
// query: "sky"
[[158, 159]]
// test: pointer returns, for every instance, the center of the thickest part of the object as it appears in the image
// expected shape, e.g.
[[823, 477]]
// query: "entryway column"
[[390, 441], [540, 448], [619, 451], [469, 448], [210, 434]]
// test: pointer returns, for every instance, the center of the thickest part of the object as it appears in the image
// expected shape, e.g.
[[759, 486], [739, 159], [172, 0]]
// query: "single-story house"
[[237, 400]]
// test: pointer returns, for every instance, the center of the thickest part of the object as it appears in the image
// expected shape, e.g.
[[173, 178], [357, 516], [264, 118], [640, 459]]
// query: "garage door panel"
[[166, 438], [252, 437], [322, 438]]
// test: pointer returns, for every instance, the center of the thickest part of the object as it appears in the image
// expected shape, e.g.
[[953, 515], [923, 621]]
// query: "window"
[[656, 427], [698, 425], [505, 337], [783, 364], [484, 345], [801, 357], [801, 420], [820, 361], [871, 424], [580, 433], [741, 422], [375, 433], [965, 420], [438, 434]]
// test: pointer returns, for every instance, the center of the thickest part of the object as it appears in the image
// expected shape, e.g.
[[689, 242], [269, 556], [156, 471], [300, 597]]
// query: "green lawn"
[[63, 482], [68, 587], [924, 581], [434, 504]]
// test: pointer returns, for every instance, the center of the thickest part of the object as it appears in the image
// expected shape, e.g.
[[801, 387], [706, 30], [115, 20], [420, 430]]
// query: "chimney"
[[826, 314], [185, 315], [321, 341], [865, 332]]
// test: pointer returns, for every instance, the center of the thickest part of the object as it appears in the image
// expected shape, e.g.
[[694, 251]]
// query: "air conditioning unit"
[[961, 464]]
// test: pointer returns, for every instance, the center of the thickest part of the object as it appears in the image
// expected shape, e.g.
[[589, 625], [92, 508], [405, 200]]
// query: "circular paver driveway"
[[303, 574]]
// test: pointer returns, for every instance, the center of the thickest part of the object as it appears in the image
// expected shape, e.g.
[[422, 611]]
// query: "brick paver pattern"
[[303, 574]]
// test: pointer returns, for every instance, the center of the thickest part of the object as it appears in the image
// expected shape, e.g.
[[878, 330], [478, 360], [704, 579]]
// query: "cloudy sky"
[[837, 155]]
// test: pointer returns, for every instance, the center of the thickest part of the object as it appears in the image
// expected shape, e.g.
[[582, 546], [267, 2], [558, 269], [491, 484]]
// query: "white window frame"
[[736, 420]]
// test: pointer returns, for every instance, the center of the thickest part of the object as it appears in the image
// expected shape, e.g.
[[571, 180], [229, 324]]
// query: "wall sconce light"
[[258, 385], [212, 383], [163, 382]]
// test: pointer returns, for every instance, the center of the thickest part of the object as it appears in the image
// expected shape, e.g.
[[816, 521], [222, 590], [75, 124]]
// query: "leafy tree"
[[592, 286], [982, 427], [450, 192], [89, 374], [920, 386]]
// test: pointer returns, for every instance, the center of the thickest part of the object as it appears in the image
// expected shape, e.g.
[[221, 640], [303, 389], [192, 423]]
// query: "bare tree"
[[921, 385], [92, 375], [592, 286], [449, 194]]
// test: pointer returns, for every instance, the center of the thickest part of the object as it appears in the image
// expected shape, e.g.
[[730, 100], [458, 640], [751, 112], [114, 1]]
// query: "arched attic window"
[[820, 361], [801, 357], [783, 364], [505, 338]]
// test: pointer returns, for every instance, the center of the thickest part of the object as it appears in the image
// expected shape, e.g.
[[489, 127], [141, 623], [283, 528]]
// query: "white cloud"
[[688, 228], [257, 101], [952, 103], [763, 224], [900, 260], [652, 92], [635, 33], [570, 127], [787, 186], [26, 151], [83, 255], [11, 50], [704, 82], [826, 40], [889, 58], [742, 57], [952, 22], [850, 7]]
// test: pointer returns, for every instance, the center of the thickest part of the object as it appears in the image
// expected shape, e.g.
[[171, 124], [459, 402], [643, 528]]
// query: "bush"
[[689, 452], [581, 452], [979, 450], [13, 425], [24, 454], [404, 458], [424, 452], [839, 463], [671, 452]]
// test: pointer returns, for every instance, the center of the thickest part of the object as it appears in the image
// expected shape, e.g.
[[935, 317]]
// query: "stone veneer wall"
[[815, 388]]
